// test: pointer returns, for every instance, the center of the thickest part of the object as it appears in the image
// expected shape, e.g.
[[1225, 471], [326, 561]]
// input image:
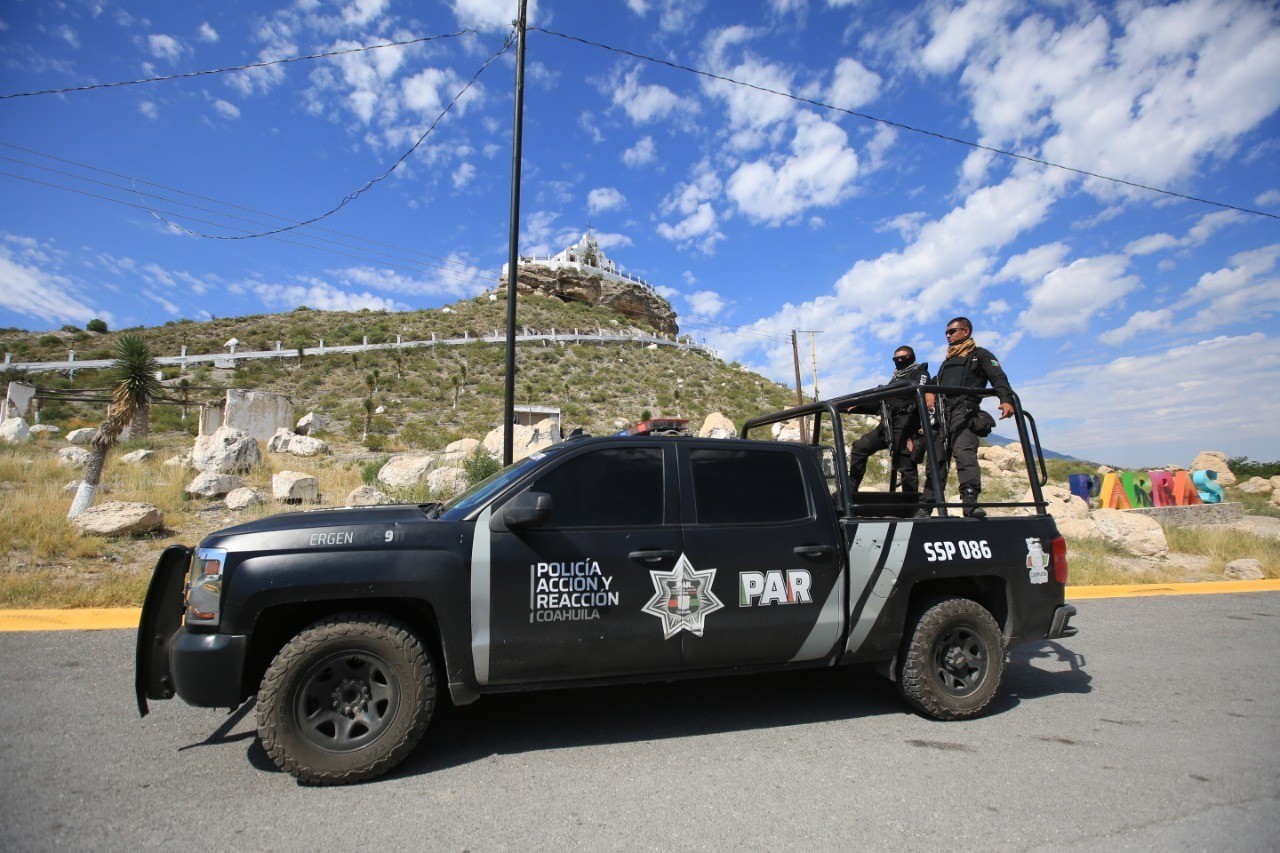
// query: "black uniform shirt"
[[975, 370]]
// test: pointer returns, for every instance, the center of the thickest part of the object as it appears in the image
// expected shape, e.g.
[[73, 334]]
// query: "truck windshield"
[[479, 494]]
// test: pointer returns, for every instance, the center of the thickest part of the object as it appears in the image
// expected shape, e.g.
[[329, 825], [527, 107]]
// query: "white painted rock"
[[367, 496], [14, 430], [1136, 533], [406, 472], [295, 487], [137, 456], [226, 451], [718, 426], [81, 436], [1244, 570], [119, 518], [211, 484], [75, 457], [242, 498]]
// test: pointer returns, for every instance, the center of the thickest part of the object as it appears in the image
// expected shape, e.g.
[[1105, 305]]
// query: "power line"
[[452, 265], [506, 44], [263, 64], [890, 123]]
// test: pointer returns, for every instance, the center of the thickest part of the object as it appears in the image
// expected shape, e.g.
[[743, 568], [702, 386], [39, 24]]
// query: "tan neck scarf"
[[961, 349]]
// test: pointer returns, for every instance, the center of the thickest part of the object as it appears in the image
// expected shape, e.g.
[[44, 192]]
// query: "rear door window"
[[740, 486]]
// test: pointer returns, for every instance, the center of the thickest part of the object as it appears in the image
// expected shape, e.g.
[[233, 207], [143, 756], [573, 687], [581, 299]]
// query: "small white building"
[[584, 256]]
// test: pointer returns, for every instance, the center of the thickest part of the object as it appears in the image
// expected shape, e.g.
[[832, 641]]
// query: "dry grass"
[[1223, 545]]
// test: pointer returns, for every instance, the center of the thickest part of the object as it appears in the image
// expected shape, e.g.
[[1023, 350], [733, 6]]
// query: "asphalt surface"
[[1157, 727]]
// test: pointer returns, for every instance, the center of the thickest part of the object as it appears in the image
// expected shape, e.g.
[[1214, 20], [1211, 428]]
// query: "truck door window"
[[747, 487], [615, 487]]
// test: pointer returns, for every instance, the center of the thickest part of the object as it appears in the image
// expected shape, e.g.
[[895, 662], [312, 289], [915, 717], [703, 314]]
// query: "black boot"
[[969, 497], [923, 512]]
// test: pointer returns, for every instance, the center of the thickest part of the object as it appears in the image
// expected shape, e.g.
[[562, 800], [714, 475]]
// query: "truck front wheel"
[[952, 661], [346, 700]]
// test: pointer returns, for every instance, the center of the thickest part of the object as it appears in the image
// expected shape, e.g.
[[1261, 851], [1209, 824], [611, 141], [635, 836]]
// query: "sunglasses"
[[954, 331]]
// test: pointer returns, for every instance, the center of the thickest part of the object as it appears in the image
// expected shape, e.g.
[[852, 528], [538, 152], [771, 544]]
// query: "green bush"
[[480, 465]]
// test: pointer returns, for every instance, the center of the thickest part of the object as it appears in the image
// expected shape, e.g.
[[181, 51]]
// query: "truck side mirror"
[[526, 509]]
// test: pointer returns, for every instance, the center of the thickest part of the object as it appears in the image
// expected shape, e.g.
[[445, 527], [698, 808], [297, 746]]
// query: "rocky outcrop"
[[285, 441], [525, 440], [1214, 460], [119, 518], [633, 301], [1256, 486], [718, 426], [226, 451]]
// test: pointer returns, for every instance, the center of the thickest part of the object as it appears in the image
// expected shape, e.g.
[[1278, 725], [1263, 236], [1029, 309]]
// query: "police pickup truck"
[[597, 561]]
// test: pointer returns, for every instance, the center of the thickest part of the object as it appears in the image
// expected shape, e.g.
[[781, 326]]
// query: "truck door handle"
[[812, 550], [651, 556]]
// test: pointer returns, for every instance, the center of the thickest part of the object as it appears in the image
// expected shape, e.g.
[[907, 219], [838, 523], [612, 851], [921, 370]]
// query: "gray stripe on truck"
[[480, 595], [900, 536], [827, 629]]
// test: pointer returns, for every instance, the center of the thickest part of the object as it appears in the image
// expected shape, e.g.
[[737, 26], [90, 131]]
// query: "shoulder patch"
[[995, 363]]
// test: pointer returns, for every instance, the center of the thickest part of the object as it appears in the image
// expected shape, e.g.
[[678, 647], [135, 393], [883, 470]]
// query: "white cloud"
[[490, 14], [818, 173], [1151, 244], [321, 295], [1249, 289], [207, 33], [1067, 298], [166, 47], [706, 303], [852, 85], [1270, 198], [644, 151], [1142, 321], [149, 109], [673, 15], [463, 175], [645, 103], [68, 35], [698, 227], [1163, 407], [602, 199], [226, 109], [29, 286], [428, 91]]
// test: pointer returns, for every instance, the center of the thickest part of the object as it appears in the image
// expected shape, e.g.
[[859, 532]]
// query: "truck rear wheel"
[[952, 662], [346, 700]]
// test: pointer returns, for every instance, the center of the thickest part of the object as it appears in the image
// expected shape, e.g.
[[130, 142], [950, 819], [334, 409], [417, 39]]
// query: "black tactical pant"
[[875, 441], [963, 447]]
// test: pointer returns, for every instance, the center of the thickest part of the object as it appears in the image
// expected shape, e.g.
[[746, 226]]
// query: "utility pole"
[[813, 352], [795, 357], [513, 256]]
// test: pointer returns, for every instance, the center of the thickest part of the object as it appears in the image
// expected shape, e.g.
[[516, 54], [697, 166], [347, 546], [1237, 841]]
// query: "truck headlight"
[[204, 586]]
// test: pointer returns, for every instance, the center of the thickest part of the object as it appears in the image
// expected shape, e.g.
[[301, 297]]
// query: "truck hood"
[[334, 529]]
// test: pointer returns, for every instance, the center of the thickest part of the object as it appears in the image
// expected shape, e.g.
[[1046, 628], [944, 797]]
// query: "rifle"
[[887, 425]]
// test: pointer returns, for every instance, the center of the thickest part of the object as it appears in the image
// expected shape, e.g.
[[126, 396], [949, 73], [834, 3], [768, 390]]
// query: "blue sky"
[[1139, 327]]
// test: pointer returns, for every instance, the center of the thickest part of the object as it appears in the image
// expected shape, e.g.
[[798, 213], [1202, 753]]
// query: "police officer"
[[899, 424], [968, 366]]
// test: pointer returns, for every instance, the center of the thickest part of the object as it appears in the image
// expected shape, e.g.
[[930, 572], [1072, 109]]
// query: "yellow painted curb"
[[86, 619], [1140, 590]]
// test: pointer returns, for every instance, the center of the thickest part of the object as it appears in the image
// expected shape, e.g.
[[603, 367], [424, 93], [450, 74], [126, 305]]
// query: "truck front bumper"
[[1061, 626], [207, 668]]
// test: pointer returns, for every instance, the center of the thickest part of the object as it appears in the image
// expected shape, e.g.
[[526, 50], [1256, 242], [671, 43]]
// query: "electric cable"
[[910, 128]]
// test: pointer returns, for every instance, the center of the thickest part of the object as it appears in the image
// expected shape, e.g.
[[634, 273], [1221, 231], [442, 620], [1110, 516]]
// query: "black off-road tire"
[[952, 661], [346, 700]]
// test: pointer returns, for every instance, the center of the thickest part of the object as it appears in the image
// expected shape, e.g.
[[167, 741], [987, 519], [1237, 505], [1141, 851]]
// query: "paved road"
[[1158, 727]]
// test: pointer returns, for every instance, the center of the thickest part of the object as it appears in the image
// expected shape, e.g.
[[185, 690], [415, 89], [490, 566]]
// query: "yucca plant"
[[134, 372]]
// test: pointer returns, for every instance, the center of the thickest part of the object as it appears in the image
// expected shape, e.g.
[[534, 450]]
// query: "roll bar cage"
[[869, 403]]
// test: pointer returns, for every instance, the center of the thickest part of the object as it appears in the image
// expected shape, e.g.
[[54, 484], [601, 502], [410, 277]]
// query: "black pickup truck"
[[597, 561]]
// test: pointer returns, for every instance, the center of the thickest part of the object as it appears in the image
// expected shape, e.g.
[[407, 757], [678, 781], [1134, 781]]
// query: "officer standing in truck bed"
[[899, 423], [968, 366]]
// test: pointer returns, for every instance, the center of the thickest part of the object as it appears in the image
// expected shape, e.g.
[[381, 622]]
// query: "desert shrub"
[[480, 465]]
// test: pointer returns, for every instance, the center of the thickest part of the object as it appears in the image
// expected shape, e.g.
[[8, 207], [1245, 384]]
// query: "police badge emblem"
[[683, 598]]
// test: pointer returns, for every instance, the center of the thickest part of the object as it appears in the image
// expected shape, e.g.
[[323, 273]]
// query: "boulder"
[[137, 456], [295, 487], [44, 429], [1275, 498], [1214, 460], [119, 518], [988, 466], [367, 496], [285, 441], [1078, 528], [226, 451], [1062, 503], [1275, 482], [242, 498], [1106, 469], [406, 472], [718, 426], [81, 436], [785, 431], [309, 423], [525, 440], [211, 484], [1244, 570], [447, 481], [463, 447], [75, 457], [14, 430], [1137, 534], [1256, 486], [182, 460]]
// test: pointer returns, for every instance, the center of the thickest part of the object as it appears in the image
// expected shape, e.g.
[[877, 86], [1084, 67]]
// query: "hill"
[[430, 395]]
